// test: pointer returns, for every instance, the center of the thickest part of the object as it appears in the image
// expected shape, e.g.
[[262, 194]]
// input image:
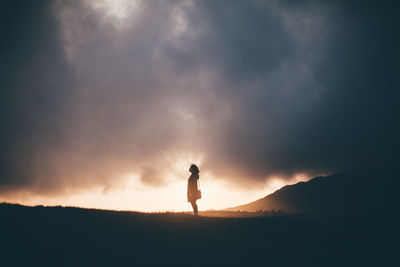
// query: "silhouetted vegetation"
[[356, 192], [57, 236]]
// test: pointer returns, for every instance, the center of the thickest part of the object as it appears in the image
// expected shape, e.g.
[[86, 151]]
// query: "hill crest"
[[351, 192]]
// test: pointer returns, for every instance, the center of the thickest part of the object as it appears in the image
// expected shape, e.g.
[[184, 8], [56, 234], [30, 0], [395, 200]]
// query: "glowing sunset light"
[[136, 196], [108, 102], [199, 133]]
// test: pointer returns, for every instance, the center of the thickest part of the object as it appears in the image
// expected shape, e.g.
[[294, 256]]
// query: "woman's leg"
[[194, 206]]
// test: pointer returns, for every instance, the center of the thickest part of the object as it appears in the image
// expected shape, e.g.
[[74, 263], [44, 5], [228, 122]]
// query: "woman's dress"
[[192, 188]]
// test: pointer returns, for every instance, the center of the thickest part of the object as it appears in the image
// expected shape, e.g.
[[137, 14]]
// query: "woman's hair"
[[194, 168]]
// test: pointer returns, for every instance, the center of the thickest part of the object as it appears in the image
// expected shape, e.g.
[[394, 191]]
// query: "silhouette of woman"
[[192, 190]]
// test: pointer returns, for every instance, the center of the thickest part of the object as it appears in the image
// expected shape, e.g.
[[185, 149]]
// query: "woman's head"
[[194, 169]]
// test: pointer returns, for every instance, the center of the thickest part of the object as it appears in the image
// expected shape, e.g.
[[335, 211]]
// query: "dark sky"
[[255, 89]]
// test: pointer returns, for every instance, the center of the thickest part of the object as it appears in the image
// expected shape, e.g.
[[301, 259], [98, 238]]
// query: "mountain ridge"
[[350, 192]]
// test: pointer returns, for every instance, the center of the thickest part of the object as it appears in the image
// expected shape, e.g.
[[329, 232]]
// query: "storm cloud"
[[92, 91]]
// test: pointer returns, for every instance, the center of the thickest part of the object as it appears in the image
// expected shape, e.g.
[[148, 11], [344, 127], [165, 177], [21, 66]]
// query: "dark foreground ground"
[[56, 236]]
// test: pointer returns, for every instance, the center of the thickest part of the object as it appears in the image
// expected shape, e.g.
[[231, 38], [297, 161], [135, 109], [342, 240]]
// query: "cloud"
[[254, 89]]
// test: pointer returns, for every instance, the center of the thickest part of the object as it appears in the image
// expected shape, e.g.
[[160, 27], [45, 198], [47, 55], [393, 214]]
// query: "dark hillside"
[[57, 236], [346, 194]]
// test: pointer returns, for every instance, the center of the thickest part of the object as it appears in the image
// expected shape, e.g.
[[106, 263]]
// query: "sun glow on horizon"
[[136, 196], [133, 193]]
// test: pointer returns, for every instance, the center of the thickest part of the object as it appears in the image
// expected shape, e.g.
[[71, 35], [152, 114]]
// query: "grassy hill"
[[359, 191], [59, 236]]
